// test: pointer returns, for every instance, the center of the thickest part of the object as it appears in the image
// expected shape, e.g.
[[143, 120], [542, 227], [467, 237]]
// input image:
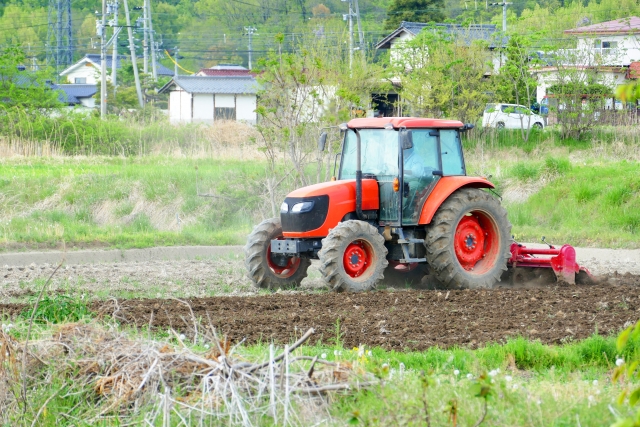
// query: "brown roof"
[[634, 70], [623, 25], [228, 73]]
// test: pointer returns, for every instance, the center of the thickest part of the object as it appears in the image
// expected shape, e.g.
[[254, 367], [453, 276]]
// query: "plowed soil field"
[[395, 319], [217, 292]]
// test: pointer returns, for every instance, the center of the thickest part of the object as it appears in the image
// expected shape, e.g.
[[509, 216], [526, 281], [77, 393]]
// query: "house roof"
[[95, 59], [467, 34], [79, 91], [630, 25], [216, 84], [634, 70], [212, 72]]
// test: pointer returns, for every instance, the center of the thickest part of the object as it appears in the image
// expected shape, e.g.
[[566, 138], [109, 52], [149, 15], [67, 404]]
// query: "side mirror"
[[322, 141], [406, 136], [467, 127]]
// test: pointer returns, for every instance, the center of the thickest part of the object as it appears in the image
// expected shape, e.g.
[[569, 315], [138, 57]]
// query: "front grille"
[[305, 221]]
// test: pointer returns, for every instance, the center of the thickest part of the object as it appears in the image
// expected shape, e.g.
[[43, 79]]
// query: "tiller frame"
[[561, 260]]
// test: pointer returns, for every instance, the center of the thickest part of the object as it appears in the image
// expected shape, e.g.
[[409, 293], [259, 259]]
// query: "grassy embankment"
[[579, 192], [527, 383]]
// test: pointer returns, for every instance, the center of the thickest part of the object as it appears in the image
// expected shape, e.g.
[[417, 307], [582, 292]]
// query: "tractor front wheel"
[[267, 270], [353, 257], [468, 240]]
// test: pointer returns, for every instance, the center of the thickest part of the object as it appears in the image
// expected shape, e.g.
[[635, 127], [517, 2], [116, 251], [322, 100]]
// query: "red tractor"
[[402, 201]]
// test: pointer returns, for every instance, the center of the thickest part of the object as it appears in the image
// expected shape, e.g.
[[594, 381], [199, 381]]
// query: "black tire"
[[263, 271], [500, 125], [468, 240], [367, 246], [538, 125]]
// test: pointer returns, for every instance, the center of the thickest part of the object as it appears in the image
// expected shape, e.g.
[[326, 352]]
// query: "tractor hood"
[[335, 198]]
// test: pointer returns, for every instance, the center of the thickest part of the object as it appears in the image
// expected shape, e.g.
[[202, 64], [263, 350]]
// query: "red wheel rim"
[[476, 242], [357, 258], [286, 271]]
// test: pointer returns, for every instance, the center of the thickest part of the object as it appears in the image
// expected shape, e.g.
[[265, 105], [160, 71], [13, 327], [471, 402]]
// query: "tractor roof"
[[408, 122]]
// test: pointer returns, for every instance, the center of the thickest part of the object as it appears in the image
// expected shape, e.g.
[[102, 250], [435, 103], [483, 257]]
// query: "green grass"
[[586, 205], [129, 202], [528, 383]]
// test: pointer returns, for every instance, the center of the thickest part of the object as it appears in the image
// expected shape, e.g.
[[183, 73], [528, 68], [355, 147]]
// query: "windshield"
[[379, 153]]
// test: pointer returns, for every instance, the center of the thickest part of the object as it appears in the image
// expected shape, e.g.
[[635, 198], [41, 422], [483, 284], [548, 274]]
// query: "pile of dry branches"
[[138, 379]]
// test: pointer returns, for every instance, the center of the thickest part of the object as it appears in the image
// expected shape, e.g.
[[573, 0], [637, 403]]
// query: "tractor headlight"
[[284, 207], [302, 207]]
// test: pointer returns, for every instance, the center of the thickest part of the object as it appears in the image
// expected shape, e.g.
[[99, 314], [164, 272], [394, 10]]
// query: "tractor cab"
[[407, 164]]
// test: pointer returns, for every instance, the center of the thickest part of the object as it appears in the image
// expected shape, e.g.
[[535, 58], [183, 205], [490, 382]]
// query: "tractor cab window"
[[419, 164], [452, 163], [379, 154]]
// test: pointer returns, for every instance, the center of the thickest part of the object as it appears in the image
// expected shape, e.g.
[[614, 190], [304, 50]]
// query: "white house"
[[396, 41], [203, 99], [88, 69], [610, 50]]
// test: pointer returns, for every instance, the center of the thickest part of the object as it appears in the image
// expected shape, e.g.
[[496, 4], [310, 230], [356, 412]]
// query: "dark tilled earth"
[[393, 319]]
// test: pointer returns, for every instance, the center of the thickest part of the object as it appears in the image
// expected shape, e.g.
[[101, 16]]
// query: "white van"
[[510, 116]]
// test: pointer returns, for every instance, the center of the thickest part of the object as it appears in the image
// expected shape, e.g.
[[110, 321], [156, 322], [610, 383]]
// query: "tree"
[[516, 82], [443, 77], [413, 11], [21, 88]]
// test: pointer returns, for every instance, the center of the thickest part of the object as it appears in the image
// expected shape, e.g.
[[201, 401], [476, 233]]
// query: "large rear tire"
[[353, 257], [468, 240], [263, 269]]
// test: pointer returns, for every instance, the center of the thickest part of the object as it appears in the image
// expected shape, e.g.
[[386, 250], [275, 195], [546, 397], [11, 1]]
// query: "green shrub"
[[57, 309]]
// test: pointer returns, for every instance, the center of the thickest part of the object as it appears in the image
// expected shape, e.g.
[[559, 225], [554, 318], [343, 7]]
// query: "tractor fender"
[[443, 189]]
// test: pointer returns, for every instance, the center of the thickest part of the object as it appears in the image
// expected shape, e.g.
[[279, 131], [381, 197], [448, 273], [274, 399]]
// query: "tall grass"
[[148, 132]]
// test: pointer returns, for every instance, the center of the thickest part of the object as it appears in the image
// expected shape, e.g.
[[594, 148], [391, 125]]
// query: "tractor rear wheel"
[[353, 257], [468, 240], [269, 271]]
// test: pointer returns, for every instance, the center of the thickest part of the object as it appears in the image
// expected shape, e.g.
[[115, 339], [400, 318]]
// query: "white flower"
[[597, 391], [514, 386], [369, 353], [206, 346], [508, 378], [456, 372], [337, 352], [469, 376], [182, 337], [493, 372], [323, 356], [595, 382], [619, 362], [591, 398], [385, 365]]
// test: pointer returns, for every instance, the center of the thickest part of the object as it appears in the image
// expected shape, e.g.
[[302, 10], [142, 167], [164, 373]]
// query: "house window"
[[224, 113], [80, 80], [600, 44]]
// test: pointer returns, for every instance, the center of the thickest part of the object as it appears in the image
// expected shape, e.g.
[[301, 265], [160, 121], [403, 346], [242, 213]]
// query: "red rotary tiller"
[[561, 260]]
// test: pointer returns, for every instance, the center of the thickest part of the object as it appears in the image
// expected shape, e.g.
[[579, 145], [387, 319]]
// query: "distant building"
[[88, 69], [207, 99], [609, 49], [77, 94], [226, 70]]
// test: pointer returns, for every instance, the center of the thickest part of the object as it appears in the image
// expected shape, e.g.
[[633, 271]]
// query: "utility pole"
[[504, 5], [250, 31], [134, 60], [103, 62], [175, 61], [349, 17], [153, 45], [114, 58], [145, 43]]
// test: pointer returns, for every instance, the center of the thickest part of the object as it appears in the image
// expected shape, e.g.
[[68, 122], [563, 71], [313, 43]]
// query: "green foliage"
[[442, 77], [57, 309], [23, 90], [413, 11], [628, 369]]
